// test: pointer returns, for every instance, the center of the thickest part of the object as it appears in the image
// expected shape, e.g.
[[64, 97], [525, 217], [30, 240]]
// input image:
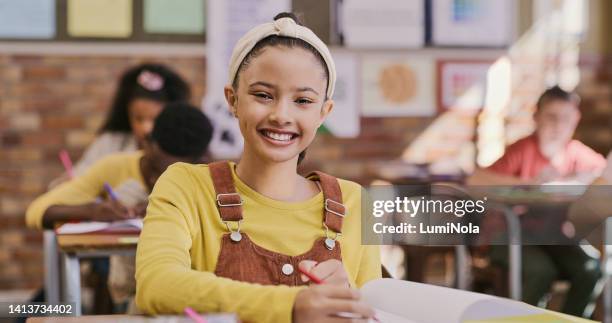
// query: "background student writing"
[[141, 94], [181, 133]]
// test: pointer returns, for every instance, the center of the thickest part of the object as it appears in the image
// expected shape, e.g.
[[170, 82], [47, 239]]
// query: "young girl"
[[141, 93], [230, 237]]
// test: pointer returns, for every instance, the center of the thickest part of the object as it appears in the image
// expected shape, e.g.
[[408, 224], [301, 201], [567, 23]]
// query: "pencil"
[[194, 315], [65, 159], [311, 276], [110, 192]]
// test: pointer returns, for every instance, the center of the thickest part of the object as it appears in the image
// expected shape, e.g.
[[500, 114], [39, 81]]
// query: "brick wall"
[[48, 103]]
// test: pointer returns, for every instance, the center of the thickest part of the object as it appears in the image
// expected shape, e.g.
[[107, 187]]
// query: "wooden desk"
[[96, 242], [70, 249]]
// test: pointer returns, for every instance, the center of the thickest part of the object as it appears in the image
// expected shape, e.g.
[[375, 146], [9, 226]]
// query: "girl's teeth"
[[278, 136]]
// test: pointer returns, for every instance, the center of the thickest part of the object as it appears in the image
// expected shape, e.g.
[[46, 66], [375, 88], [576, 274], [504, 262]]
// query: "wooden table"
[[63, 254]]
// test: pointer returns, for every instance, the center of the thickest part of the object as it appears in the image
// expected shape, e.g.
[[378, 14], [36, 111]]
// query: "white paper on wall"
[[383, 23], [228, 20], [473, 22]]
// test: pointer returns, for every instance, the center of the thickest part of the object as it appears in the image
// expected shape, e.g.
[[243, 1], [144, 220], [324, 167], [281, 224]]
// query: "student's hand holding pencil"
[[110, 210], [140, 210], [323, 303], [329, 298], [330, 271]]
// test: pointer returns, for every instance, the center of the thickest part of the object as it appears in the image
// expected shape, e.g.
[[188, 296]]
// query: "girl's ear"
[[328, 106], [231, 98]]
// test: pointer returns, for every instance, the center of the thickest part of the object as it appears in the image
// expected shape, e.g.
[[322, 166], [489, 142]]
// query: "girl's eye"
[[303, 101], [264, 96]]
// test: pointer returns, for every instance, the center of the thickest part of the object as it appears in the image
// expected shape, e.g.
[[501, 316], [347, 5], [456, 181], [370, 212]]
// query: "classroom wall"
[[48, 102]]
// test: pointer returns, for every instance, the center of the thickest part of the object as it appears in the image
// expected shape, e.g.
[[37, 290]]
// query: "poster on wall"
[[462, 84], [473, 22], [382, 23], [227, 21], [100, 18], [27, 19], [344, 120], [174, 16], [398, 85]]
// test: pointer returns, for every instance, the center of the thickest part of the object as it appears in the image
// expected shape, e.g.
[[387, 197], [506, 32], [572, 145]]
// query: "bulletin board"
[[49, 21], [133, 21]]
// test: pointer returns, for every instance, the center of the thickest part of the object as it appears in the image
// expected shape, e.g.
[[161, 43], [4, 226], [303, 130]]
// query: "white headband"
[[282, 27]]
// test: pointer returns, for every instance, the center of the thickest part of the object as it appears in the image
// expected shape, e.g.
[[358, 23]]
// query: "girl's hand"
[[330, 303], [109, 210], [140, 210], [329, 271]]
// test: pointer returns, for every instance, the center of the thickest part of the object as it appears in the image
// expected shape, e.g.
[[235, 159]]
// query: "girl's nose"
[[147, 127], [280, 113]]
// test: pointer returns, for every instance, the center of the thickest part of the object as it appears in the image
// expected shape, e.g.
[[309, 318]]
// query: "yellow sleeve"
[[165, 281], [370, 266], [80, 190]]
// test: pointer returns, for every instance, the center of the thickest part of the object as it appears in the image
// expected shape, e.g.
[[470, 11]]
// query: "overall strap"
[[228, 200], [334, 210]]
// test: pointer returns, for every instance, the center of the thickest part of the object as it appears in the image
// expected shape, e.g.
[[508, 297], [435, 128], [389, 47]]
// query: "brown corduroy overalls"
[[243, 260]]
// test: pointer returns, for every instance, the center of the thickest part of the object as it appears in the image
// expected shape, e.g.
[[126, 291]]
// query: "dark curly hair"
[[174, 89], [182, 130]]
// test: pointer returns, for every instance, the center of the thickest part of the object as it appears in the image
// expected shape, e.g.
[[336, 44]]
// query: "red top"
[[525, 160]]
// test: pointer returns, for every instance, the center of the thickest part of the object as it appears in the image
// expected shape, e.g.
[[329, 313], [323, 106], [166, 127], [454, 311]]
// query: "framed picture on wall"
[[382, 23], [476, 23], [344, 120], [462, 84], [398, 85]]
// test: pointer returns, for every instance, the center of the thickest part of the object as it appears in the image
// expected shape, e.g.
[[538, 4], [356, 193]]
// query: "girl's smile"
[[278, 137]]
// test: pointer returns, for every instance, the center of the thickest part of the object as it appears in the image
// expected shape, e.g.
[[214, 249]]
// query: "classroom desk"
[[505, 200], [64, 262]]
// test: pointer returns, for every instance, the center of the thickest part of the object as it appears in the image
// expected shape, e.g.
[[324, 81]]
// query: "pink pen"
[[65, 158], [194, 315]]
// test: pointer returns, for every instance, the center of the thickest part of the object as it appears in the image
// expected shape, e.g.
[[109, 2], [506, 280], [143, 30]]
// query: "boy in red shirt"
[[550, 154]]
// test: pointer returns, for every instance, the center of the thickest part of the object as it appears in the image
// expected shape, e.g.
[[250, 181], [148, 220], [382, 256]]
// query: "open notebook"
[[125, 226], [398, 301], [129, 193]]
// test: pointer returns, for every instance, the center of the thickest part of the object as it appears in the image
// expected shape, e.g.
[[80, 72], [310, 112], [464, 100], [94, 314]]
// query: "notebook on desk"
[[116, 227], [129, 194], [398, 301]]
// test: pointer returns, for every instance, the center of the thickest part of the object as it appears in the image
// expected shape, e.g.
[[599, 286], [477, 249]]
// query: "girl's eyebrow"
[[268, 85], [309, 89]]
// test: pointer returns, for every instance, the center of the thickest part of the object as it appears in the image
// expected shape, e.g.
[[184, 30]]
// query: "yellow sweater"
[[179, 245], [115, 170]]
